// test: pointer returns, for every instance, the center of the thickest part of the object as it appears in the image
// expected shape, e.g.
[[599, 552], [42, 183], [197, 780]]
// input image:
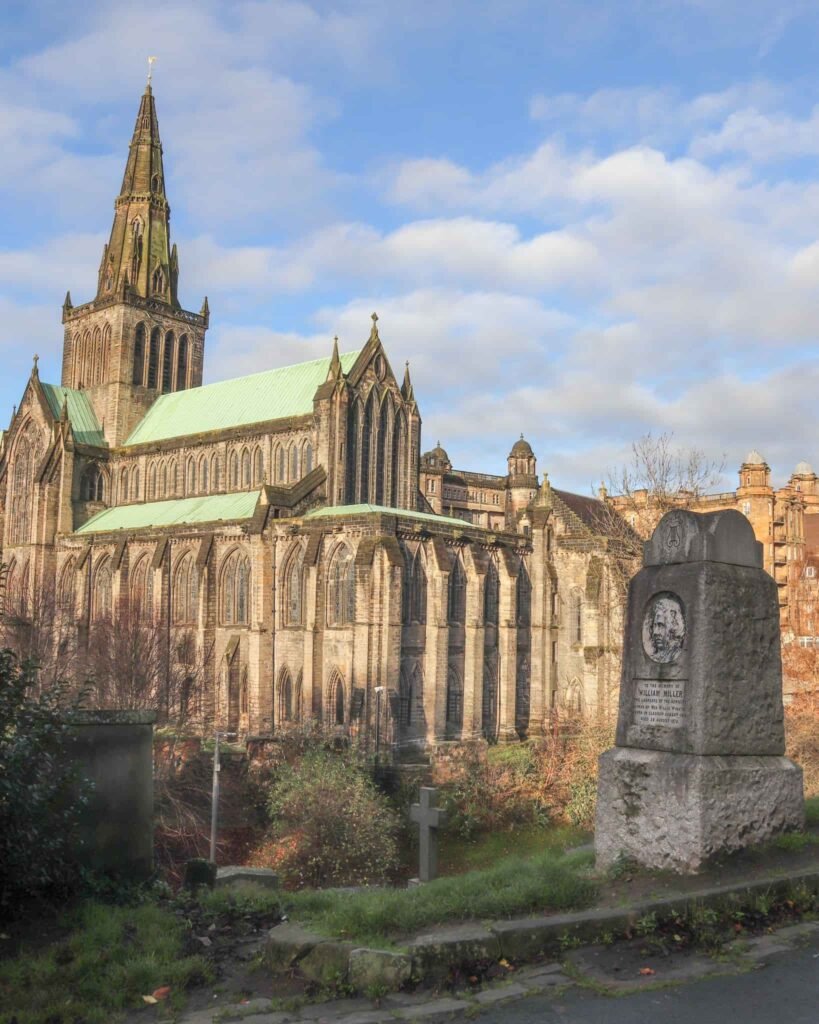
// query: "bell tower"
[[133, 341]]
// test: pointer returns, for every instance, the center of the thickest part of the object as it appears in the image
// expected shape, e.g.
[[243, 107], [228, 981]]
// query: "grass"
[[812, 810], [548, 881], [456, 854], [110, 957]]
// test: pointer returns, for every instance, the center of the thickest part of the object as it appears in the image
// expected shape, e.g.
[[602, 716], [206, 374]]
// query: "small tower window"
[[182, 364], [153, 358], [167, 362]]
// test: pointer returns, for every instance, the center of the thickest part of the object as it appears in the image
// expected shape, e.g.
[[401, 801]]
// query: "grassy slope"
[[111, 957], [547, 881]]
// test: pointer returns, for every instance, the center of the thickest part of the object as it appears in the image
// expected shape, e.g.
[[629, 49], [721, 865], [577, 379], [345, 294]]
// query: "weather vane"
[[151, 61]]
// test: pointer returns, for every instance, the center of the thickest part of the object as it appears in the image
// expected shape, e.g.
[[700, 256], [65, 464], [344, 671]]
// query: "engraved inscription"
[[659, 702], [664, 628]]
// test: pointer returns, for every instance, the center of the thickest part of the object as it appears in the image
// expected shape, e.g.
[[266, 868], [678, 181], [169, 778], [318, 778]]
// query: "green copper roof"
[[170, 513], [271, 395], [359, 510], [81, 414]]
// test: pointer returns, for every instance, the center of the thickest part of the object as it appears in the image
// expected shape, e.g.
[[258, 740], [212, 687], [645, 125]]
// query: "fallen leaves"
[[157, 995], [647, 970]]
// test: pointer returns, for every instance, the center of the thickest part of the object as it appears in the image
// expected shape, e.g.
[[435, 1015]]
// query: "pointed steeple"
[[68, 305], [406, 387], [139, 248], [334, 371], [205, 311]]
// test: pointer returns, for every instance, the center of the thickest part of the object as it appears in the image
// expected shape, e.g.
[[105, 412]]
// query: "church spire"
[[139, 250]]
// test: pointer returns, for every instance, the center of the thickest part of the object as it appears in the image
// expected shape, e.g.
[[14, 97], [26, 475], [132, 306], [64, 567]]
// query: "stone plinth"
[[698, 768], [675, 811]]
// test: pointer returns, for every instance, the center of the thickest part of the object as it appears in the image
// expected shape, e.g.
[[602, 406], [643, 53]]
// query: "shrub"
[[41, 795], [329, 824], [802, 731]]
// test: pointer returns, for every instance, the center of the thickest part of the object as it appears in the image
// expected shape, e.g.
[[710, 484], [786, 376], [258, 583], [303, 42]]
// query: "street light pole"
[[214, 806]]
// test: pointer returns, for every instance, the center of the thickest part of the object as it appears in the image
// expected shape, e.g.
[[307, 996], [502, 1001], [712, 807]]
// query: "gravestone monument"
[[429, 819], [698, 767]]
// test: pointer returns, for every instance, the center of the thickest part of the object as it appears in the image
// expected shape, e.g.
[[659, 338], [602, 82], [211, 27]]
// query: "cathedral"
[[284, 532]]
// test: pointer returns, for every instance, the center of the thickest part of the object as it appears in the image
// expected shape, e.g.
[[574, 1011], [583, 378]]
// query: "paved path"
[[784, 989], [770, 979]]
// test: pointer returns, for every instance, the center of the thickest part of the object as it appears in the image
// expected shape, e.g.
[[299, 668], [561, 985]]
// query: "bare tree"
[[660, 476]]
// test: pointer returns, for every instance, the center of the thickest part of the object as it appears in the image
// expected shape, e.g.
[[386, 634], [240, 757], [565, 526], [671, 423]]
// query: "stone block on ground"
[[229, 876], [287, 944], [435, 952], [378, 967], [326, 963], [670, 811], [435, 1008]]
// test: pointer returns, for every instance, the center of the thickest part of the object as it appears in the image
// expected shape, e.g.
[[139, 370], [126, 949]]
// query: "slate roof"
[[590, 511], [179, 511], [81, 415], [270, 395]]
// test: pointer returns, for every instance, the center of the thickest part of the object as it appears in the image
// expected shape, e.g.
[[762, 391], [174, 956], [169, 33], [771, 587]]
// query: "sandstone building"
[[283, 531]]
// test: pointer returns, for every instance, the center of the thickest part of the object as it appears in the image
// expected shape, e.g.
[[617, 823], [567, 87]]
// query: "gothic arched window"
[[233, 471], [92, 484], [182, 364], [281, 465], [152, 481], [353, 428], [135, 483], [96, 372], [294, 463], [167, 362], [258, 466], [101, 594], [366, 431], [399, 434], [246, 480], [153, 357], [65, 591], [191, 475], [307, 458], [491, 594], [106, 349], [203, 474], [22, 498], [523, 597], [215, 475], [294, 589], [163, 480], [185, 597], [456, 596], [142, 590], [576, 621], [415, 590], [336, 700], [382, 459], [236, 589], [123, 485], [454, 700], [285, 697], [341, 588]]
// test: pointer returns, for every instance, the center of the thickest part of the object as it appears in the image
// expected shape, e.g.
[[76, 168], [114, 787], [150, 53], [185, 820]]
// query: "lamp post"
[[215, 791]]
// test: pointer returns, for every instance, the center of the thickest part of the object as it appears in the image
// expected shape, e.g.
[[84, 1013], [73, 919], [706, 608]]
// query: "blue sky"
[[580, 220]]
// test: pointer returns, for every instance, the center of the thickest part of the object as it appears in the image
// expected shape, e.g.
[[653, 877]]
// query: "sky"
[[581, 220]]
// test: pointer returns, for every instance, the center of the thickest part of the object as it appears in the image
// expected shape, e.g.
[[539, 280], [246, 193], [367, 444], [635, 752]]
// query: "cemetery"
[[456, 886]]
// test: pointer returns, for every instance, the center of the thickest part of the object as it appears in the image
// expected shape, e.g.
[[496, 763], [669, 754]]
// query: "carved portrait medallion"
[[664, 628]]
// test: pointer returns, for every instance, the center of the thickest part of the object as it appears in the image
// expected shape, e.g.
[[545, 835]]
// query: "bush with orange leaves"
[[329, 824], [551, 779], [802, 733]]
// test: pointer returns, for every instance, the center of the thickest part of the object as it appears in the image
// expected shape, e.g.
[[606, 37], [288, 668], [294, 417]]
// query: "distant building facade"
[[286, 524]]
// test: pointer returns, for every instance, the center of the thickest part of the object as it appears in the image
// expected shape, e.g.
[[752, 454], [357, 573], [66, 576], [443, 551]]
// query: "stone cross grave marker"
[[698, 767], [429, 819]]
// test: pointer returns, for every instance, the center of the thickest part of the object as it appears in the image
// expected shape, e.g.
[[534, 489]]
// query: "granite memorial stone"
[[698, 766]]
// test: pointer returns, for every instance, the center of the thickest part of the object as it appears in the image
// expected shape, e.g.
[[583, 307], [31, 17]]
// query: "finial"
[[34, 369], [438, 444], [406, 364], [151, 62], [374, 331], [521, 435], [374, 318]]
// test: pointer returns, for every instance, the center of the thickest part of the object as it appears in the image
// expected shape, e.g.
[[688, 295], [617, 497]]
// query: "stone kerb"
[[698, 766]]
